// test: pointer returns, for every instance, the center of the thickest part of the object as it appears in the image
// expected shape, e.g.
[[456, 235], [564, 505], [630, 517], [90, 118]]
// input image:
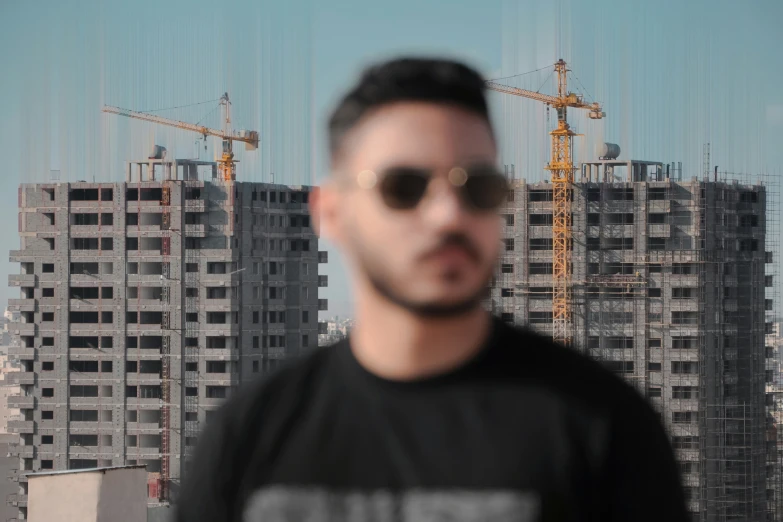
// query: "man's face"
[[437, 258]]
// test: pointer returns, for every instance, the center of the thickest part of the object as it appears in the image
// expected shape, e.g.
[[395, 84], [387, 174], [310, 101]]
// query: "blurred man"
[[432, 410]]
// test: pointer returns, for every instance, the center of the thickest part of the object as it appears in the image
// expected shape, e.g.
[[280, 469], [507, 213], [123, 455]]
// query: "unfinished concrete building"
[[144, 304], [668, 289]]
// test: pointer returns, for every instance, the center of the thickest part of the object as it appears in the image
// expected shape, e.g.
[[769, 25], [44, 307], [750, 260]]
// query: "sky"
[[671, 76]]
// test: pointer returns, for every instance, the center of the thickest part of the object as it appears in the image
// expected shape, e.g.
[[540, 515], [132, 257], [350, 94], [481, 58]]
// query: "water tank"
[[156, 152], [609, 151]]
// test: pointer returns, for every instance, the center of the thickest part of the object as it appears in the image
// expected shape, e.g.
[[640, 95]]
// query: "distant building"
[[334, 330], [143, 305], [669, 284], [8, 388], [6, 339]]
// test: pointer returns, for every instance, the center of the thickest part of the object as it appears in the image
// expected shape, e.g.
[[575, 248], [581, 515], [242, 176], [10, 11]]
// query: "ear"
[[323, 211]]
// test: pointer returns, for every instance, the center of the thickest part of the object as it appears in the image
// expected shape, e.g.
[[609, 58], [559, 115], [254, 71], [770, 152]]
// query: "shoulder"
[[589, 391], [565, 370]]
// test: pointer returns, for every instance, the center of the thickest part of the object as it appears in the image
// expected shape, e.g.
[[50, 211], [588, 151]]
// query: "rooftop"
[[85, 470]]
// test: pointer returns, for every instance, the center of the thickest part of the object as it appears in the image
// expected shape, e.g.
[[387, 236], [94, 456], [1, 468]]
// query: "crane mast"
[[561, 167], [226, 162]]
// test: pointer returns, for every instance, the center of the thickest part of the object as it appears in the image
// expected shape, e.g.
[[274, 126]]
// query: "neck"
[[395, 344]]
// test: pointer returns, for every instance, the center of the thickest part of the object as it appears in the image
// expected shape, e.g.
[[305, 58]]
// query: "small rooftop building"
[[117, 494]]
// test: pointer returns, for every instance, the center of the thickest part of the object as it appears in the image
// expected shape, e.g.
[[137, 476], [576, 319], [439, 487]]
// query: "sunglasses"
[[481, 188]]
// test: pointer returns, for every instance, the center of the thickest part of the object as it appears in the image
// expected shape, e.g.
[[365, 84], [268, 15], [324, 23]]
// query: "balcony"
[[219, 379], [684, 379], [22, 328], [21, 402], [227, 280], [684, 305], [195, 231], [276, 353], [323, 304], [21, 378], [21, 256], [659, 230], [19, 352], [21, 426], [143, 354], [658, 206], [87, 328], [221, 354], [85, 452], [143, 378], [222, 305], [135, 451], [147, 305], [133, 402], [195, 205], [143, 426], [18, 450], [221, 329], [21, 305], [323, 281], [86, 378], [25, 280], [90, 427], [16, 500], [135, 279]]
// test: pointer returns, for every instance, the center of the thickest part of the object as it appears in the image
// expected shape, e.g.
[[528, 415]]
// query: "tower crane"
[[561, 165], [226, 163]]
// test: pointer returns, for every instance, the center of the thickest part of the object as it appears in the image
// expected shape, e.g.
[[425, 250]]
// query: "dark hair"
[[407, 79]]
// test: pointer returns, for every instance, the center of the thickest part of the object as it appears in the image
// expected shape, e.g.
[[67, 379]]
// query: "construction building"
[[667, 288], [144, 304]]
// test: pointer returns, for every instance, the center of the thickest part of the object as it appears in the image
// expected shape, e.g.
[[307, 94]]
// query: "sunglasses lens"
[[486, 190], [403, 188]]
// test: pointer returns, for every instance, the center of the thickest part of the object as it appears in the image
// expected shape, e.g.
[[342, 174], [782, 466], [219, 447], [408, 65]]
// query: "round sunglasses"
[[481, 188]]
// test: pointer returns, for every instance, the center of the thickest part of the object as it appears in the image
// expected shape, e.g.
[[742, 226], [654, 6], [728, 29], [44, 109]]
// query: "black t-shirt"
[[525, 431]]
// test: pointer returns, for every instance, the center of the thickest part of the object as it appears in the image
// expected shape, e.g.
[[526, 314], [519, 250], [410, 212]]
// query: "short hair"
[[432, 80]]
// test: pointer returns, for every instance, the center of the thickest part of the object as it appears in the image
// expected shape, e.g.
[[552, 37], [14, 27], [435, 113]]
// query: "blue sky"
[[671, 76]]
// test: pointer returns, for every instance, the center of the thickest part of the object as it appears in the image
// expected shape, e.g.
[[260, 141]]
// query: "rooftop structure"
[[113, 494]]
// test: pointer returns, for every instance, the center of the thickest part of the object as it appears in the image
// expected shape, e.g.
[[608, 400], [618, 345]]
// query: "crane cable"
[[545, 81], [180, 106], [520, 74], [589, 96], [207, 115]]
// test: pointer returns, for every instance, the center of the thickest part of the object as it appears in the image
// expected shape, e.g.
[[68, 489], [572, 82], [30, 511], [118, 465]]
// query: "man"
[[432, 410]]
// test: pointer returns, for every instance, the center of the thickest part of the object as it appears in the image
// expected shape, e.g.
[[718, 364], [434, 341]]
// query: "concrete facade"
[[125, 287], [669, 291]]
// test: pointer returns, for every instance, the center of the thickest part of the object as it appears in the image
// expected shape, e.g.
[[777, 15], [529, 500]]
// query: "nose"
[[443, 208]]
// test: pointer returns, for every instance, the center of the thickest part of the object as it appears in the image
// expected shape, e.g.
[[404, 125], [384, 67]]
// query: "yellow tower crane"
[[561, 165], [226, 163]]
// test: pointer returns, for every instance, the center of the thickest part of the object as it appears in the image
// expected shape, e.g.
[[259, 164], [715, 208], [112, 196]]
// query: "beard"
[[383, 283]]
